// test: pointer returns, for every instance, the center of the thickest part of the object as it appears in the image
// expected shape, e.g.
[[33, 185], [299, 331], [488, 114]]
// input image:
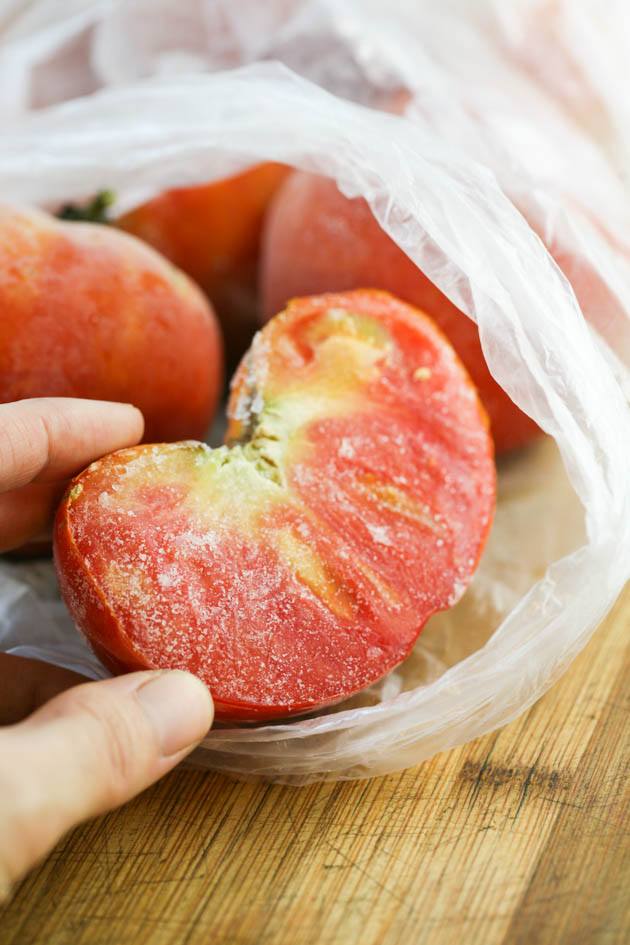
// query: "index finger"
[[50, 438]]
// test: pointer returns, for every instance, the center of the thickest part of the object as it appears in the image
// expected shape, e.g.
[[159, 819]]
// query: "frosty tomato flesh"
[[298, 563]]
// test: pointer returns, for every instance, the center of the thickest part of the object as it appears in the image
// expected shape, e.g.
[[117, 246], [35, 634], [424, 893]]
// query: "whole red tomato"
[[88, 311]]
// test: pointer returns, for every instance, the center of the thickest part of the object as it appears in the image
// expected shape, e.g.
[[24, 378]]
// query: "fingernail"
[[179, 707]]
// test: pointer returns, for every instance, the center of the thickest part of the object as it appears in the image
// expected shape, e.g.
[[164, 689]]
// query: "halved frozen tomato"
[[298, 563]]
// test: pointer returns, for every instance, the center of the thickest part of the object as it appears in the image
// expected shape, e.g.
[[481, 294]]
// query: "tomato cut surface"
[[298, 563]]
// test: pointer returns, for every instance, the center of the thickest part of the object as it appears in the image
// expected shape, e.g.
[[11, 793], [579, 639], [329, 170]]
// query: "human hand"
[[70, 749]]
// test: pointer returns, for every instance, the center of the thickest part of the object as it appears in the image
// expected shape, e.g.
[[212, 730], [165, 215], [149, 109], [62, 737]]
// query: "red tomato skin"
[[317, 240], [90, 312]]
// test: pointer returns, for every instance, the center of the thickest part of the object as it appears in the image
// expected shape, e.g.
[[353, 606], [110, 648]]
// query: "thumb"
[[90, 749]]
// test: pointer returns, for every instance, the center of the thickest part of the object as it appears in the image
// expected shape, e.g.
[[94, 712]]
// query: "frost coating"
[[286, 575]]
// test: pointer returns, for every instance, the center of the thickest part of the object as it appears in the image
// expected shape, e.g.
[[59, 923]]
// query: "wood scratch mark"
[[354, 865]]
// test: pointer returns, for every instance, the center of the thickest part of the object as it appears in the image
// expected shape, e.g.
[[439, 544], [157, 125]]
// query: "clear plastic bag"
[[560, 549]]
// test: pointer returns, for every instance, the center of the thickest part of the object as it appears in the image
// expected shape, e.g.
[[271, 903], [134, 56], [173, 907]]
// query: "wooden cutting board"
[[519, 837]]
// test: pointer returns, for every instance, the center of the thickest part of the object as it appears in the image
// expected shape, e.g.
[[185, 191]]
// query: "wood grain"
[[519, 837]]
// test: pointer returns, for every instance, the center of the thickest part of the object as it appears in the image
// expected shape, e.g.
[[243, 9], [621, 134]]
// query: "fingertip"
[[51, 438], [118, 414], [179, 708], [101, 426], [135, 420]]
